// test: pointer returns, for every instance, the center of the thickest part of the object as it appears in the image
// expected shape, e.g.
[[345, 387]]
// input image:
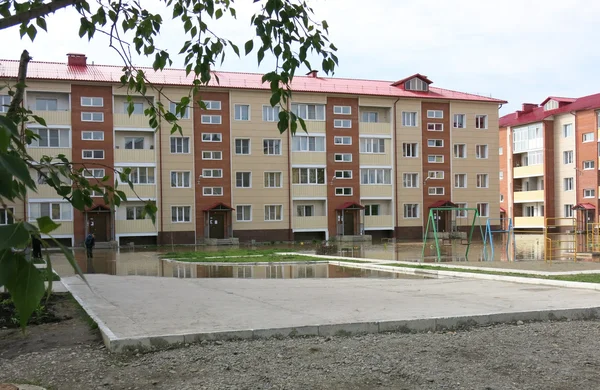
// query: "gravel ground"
[[557, 355]]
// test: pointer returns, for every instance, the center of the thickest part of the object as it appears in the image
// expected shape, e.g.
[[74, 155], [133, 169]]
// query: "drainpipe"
[[395, 169], [160, 162], [289, 166]]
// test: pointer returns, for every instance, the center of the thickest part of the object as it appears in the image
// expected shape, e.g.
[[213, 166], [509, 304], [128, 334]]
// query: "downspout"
[[160, 183], [396, 208], [289, 166]]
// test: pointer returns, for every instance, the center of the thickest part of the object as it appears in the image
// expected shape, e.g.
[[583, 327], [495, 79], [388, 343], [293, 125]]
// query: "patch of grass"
[[55, 277], [586, 278], [223, 253], [83, 314]]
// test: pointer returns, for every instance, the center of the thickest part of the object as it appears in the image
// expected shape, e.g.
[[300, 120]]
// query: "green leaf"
[[69, 255], [26, 288], [41, 22], [248, 46], [50, 277], [17, 167], [13, 236], [8, 266], [47, 225]]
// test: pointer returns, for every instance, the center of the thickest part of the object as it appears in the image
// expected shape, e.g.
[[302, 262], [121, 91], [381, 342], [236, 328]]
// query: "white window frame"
[[435, 114], [500, 151], [568, 157], [487, 209], [36, 143], [568, 210], [270, 114], [180, 177], [410, 119], [242, 141], [308, 176], [90, 173], [94, 151], [478, 124], [342, 157], [4, 103], [457, 148], [136, 211], [64, 208], [7, 215], [212, 137], [91, 116], [587, 137], [211, 119], [368, 115], [435, 175], [461, 213], [589, 164], [278, 210], [94, 101], [267, 146], [318, 108], [238, 113], [243, 173], [435, 158], [134, 141], [342, 191], [413, 207], [342, 123], [372, 146], [267, 179], [212, 155], [568, 184], [342, 174], [483, 180], [135, 111], [410, 147], [212, 173], [373, 175], [369, 208], [305, 207], [91, 134], [589, 193], [342, 110], [478, 154], [435, 126], [437, 191], [457, 181], [243, 207], [460, 124], [567, 130], [210, 191], [213, 105], [341, 140], [411, 178], [302, 143], [180, 214], [173, 109], [135, 175], [174, 145], [435, 143]]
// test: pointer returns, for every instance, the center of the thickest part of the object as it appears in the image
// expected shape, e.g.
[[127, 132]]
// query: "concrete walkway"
[[140, 312]]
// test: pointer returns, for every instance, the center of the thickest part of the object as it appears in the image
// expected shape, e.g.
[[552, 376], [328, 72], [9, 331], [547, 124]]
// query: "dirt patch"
[[60, 324], [48, 312]]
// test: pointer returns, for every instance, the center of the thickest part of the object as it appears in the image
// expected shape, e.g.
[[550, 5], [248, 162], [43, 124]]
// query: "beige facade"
[[564, 197]]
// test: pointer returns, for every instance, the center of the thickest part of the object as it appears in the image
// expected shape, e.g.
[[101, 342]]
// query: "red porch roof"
[[442, 203], [502, 210], [584, 206], [350, 205], [217, 206]]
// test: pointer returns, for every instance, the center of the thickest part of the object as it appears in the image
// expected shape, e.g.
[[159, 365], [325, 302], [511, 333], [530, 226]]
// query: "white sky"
[[517, 50]]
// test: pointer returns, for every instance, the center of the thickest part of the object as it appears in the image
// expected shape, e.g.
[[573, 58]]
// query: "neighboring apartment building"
[[376, 156], [549, 162]]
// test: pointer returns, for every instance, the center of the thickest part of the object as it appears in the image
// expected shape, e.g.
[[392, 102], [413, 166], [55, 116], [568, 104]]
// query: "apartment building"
[[375, 158], [549, 155]]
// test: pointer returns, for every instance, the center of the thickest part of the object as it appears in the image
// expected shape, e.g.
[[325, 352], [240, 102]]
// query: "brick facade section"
[[333, 201], [585, 122], [78, 145], [549, 210]]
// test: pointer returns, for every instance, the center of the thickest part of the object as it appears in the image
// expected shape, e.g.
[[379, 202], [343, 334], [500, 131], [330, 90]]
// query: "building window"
[[568, 157], [311, 112], [589, 164], [435, 159], [416, 84], [483, 209], [568, 183], [481, 121], [92, 154], [180, 179], [435, 127], [435, 191], [56, 211], [501, 175], [501, 198], [411, 210], [410, 180], [273, 180], [343, 157], [138, 108], [180, 145], [588, 137], [141, 175], [92, 102], [243, 179], [242, 112], [409, 119], [435, 143], [96, 173], [435, 175], [437, 114], [270, 114], [460, 180], [243, 213], [460, 151], [186, 111], [303, 143], [304, 210], [308, 175], [242, 146], [212, 173], [134, 213], [4, 103], [369, 117], [46, 104], [273, 213], [481, 151], [372, 145], [589, 193], [342, 110], [134, 143], [7, 216], [343, 191], [500, 151], [272, 147], [181, 214], [482, 180], [212, 191], [372, 210], [461, 213], [568, 130], [342, 140], [342, 123], [92, 135], [51, 138], [375, 176], [210, 119], [568, 211], [92, 117], [410, 150], [212, 104], [212, 137], [344, 174], [459, 121], [212, 155]]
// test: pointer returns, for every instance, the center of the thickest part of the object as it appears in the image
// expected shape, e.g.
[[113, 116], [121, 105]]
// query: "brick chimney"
[[75, 59], [528, 107], [312, 73]]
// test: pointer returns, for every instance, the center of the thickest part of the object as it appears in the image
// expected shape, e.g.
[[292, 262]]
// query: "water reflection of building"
[[279, 271]]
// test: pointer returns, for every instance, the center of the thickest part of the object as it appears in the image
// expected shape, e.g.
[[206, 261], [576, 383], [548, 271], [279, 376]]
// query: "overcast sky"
[[516, 50]]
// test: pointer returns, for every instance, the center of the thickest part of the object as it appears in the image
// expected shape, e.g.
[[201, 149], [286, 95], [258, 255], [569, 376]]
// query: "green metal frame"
[[431, 222]]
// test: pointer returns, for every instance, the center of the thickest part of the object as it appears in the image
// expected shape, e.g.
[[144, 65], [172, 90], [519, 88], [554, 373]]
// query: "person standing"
[[90, 242], [36, 246]]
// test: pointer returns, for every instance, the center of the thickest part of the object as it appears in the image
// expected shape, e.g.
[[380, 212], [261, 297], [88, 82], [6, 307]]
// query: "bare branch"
[[36, 12]]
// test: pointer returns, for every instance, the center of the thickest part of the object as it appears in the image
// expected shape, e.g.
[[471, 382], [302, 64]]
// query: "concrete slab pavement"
[[141, 312]]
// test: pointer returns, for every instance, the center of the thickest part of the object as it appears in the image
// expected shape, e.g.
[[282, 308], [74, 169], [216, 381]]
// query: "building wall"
[[586, 122], [562, 170], [505, 169], [549, 169]]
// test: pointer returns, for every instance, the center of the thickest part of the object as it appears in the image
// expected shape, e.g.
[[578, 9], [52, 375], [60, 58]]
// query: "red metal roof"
[[538, 114], [502, 210], [442, 203], [217, 205], [584, 206], [558, 99], [350, 205], [112, 74]]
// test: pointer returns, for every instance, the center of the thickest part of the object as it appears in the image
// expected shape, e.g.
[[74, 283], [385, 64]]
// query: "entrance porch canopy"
[[350, 206], [442, 203], [217, 206], [584, 206]]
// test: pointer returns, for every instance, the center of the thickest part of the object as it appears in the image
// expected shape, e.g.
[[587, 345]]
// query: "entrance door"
[[440, 220], [348, 222], [216, 225], [98, 225]]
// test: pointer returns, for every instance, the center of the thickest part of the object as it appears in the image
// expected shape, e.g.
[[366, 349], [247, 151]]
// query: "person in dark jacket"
[[90, 242], [36, 246]]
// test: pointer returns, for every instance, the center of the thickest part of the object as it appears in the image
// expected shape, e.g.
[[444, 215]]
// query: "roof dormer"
[[416, 82], [552, 102]]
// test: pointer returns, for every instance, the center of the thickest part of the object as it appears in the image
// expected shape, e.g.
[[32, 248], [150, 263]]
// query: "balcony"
[[37, 153], [383, 159], [135, 156], [139, 121], [55, 117], [528, 196], [528, 171], [123, 227], [144, 191], [319, 222], [65, 228], [312, 127], [379, 221], [309, 191], [529, 222], [376, 191], [375, 128]]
